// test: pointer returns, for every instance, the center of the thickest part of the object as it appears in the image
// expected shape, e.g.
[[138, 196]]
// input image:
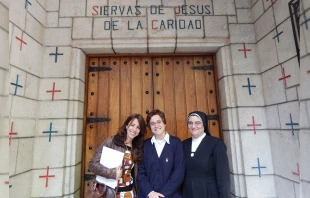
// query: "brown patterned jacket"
[[110, 173]]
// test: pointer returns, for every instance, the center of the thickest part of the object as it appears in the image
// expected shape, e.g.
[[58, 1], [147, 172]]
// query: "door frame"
[[138, 55]]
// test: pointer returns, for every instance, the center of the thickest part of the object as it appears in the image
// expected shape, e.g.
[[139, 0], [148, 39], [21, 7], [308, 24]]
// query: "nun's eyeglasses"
[[197, 123]]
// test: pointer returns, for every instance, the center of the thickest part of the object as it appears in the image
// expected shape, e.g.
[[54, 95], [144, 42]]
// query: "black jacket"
[[207, 172]]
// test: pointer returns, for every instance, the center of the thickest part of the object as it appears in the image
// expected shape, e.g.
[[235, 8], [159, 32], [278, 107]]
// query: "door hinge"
[[213, 117], [88, 177], [211, 67], [93, 120], [98, 69]]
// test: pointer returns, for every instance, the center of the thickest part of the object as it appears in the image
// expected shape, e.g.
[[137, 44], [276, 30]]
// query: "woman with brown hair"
[[161, 171], [128, 140]]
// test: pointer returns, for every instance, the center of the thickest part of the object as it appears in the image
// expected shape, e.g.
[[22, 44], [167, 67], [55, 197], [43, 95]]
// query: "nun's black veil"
[[204, 119]]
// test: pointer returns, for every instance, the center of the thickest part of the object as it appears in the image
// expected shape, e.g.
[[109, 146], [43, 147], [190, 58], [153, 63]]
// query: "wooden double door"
[[120, 86]]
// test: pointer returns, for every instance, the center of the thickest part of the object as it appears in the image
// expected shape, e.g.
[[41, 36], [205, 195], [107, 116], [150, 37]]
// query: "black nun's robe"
[[207, 172]]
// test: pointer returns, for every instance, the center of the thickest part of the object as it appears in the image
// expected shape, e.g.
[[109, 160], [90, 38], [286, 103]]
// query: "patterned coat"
[[98, 169]]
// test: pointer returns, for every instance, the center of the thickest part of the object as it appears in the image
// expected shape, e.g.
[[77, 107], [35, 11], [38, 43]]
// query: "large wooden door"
[[120, 86]]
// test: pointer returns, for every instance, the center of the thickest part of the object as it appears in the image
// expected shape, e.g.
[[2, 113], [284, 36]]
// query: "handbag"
[[93, 191]]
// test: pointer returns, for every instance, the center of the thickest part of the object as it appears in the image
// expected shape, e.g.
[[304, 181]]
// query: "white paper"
[[110, 158]]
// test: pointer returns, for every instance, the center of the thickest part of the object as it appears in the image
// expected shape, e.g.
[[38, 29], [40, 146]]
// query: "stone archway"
[[230, 118]]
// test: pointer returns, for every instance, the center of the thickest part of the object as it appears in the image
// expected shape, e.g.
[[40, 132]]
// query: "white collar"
[[199, 138], [166, 138]]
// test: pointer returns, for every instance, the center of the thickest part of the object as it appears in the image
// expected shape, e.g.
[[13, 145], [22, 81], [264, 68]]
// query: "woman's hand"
[[155, 195], [119, 172]]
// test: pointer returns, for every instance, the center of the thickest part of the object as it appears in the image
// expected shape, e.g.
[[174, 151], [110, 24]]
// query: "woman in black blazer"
[[206, 163]]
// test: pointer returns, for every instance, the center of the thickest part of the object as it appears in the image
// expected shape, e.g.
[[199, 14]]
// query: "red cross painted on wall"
[[47, 176], [11, 133], [284, 77], [245, 50], [53, 91], [21, 41], [272, 1], [8, 183], [298, 173], [254, 125]]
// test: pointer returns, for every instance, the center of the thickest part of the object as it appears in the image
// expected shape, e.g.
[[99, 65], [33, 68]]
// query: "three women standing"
[[201, 161]]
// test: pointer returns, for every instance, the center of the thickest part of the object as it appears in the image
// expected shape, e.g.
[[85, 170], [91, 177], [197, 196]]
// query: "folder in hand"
[[110, 158]]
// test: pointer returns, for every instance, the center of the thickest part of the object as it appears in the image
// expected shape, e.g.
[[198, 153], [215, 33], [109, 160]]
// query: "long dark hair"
[[137, 142]]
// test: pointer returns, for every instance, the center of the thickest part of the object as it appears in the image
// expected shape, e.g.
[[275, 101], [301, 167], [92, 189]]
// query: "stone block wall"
[[46, 107], [26, 50], [304, 98], [4, 98], [280, 74], [281, 85], [263, 92], [261, 84]]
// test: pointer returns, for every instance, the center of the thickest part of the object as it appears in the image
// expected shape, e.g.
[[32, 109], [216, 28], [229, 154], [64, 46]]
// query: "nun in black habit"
[[206, 164]]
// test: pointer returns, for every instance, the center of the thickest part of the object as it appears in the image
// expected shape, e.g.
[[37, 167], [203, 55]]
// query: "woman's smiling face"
[[157, 125], [133, 129], [195, 126]]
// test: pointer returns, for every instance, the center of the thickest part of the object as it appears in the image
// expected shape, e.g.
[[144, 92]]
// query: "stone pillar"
[[304, 98], [4, 99]]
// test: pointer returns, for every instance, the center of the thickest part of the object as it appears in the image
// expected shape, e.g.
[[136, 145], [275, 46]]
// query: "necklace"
[[127, 147], [128, 143]]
